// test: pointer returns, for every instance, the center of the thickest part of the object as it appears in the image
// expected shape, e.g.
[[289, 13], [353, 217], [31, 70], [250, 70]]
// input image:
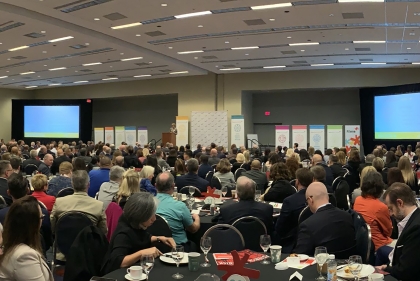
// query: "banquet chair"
[[209, 176], [332, 199], [239, 173], [97, 195], [65, 191], [293, 183], [186, 190], [113, 213], [304, 214], [251, 229], [42, 205], [225, 238], [3, 203], [342, 195], [214, 167], [336, 182], [216, 183], [67, 228], [30, 168], [160, 228]]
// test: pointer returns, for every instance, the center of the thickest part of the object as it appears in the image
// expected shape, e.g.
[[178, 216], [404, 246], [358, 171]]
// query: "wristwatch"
[[158, 239]]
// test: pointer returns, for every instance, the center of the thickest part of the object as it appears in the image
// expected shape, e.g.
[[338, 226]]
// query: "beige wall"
[[6, 96]]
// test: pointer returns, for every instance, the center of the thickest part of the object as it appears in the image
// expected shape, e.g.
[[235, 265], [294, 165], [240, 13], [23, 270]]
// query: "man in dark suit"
[[319, 176], [32, 160], [204, 167], [5, 171], [57, 161], [405, 256], [197, 150], [368, 162], [131, 160], [328, 226], [247, 206], [287, 223], [317, 160], [336, 168], [192, 178], [257, 176]]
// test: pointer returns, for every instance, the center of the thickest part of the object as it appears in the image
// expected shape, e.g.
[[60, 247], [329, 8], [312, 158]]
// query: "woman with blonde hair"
[[224, 174], [247, 165], [341, 158], [358, 191], [289, 153], [240, 159], [129, 185], [311, 152], [410, 178], [146, 176], [146, 152]]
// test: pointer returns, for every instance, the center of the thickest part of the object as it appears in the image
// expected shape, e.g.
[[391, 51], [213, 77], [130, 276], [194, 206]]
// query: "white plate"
[[303, 257], [365, 272], [170, 260], [128, 277], [218, 203]]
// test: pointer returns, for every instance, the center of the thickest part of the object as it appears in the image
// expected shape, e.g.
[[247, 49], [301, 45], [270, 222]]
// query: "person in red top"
[[373, 211], [39, 183]]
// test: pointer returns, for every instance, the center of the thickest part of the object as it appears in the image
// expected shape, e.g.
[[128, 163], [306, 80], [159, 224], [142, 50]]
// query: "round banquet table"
[[163, 271]]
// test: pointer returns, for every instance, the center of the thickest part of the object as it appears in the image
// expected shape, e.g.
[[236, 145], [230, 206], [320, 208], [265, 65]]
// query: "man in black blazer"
[[257, 176], [328, 226], [287, 223], [32, 160], [247, 206], [192, 178], [317, 160], [5, 171], [57, 161], [336, 168], [406, 255]]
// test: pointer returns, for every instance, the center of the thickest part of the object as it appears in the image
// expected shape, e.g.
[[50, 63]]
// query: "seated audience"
[[32, 160], [191, 178], [340, 237], [280, 187], [342, 159], [257, 176], [130, 240], [239, 161], [146, 176], [15, 162], [394, 175], [6, 170], [354, 161], [98, 177], [374, 212], [152, 161], [409, 153], [129, 185], [115, 156], [287, 223], [224, 174], [378, 164], [318, 160], [213, 159], [39, 183], [405, 256], [247, 162], [247, 206], [179, 168], [139, 155], [131, 160], [6, 156], [336, 168], [292, 165], [232, 156], [161, 162], [22, 258], [61, 157], [108, 190], [410, 177], [119, 161], [62, 181], [175, 212], [79, 164], [358, 191], [187, 155], [204, 167], [320, 176], [391, 160], [45, 167], [172, 157], [83, 155], [221, 152], [275, 158], [368, 162]]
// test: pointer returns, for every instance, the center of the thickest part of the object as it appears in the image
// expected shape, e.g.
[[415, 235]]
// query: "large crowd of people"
[[138, 182]]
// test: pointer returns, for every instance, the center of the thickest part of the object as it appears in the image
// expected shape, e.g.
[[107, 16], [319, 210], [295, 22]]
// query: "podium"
[[168, 137]]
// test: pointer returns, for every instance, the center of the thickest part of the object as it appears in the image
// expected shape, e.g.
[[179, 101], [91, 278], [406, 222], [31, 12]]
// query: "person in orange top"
[[39, 183], [374, 212]]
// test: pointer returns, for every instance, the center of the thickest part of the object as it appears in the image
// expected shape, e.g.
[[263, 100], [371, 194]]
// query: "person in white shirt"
[[410, 154]]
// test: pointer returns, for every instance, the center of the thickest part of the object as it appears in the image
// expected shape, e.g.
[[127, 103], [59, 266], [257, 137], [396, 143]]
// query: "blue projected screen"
[[51, 121], [396, 117]]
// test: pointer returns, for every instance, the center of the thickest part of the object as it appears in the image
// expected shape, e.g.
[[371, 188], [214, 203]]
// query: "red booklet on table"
[[226, 258]]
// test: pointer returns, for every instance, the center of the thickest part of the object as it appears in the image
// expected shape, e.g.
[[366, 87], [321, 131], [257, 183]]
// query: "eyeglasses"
[[307, 200]]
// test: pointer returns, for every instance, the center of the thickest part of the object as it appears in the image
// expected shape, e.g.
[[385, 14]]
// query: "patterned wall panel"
[[208, 127]]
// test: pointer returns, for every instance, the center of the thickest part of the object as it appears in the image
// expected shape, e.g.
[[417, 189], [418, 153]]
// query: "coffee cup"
[[193, 261], [275, 253], [184, 197], [135, 272], [233, 193], [376, 277]]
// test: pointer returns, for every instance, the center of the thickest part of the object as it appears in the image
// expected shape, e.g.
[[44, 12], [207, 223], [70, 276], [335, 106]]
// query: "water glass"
[[191, 190], [205, 245], [321, 257], [355, 266], [147, 263], [177, 256], [265, 243], [257, 195], [224, 190]]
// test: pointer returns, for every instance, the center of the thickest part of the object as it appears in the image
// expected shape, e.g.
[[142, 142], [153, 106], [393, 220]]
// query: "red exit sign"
[[267, 113]]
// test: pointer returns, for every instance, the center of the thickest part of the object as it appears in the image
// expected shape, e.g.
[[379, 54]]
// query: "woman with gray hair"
[[130, 240]]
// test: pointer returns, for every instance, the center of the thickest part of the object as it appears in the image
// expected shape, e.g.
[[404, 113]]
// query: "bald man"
[[61, 157], [247, 206], [257, 176], [317, 160], [213, 159], [328, 226], [45, 167]]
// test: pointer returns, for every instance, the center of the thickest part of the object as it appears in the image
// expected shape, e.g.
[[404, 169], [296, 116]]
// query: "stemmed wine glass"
[[147, 263], [265, 243], [257, 195], [191, 190], [321, 257], [224, 190], [177, 256], [205, 244], [355, 266]]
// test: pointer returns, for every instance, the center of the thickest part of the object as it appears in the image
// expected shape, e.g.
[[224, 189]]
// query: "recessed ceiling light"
[[196, 58], [415, 63], [272, 19], [43, 31], [77, 82], [121, 54], [322, 64], [111, 66], [217, 66], [139, 76], [76, 71], [138, 35], [408, 48], [246, 54], [45, 65], [2, 77], [170, 47], [44, 52], [8, 59], [61, 39], [331, 15], [302, 50], [346, 49], [373, 63], [274, 66], [193, 15], [200, 25], [26, 73], [93, 63], [29, 87], [230, 69], [1, 43], [369, 42], [18, 48], [304, 44], [273, 6], [164, 5], [150, 62], [358, 1], [58, 68], [87, 44], [7, 71], [190, 52], [39, 76], [226, 42], [137, 58], [245, 48], [412, 34], [179, 72], [54, 84], [126, 25], [96, 19], [289, 37], [112, 78]]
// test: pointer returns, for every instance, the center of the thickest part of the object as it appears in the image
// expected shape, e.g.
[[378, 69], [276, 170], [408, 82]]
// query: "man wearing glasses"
[[5, 171]]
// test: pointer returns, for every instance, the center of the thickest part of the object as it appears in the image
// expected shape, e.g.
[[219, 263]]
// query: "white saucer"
[[128, 277]]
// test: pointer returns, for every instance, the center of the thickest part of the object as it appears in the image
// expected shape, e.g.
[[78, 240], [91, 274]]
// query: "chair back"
[[209, 176], [220, 234], [342, 195], [214, 166], [30, 168], [160, 228], [113, 213], [65, 191], [216, 183], [42, 205], [251, 229], [363, 242], [239, 173], [97, 195], [304, 214], [3, 202], [332, 199], [186, 190], [353, 179], [67, 228], [336, 181], [293, 183]]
